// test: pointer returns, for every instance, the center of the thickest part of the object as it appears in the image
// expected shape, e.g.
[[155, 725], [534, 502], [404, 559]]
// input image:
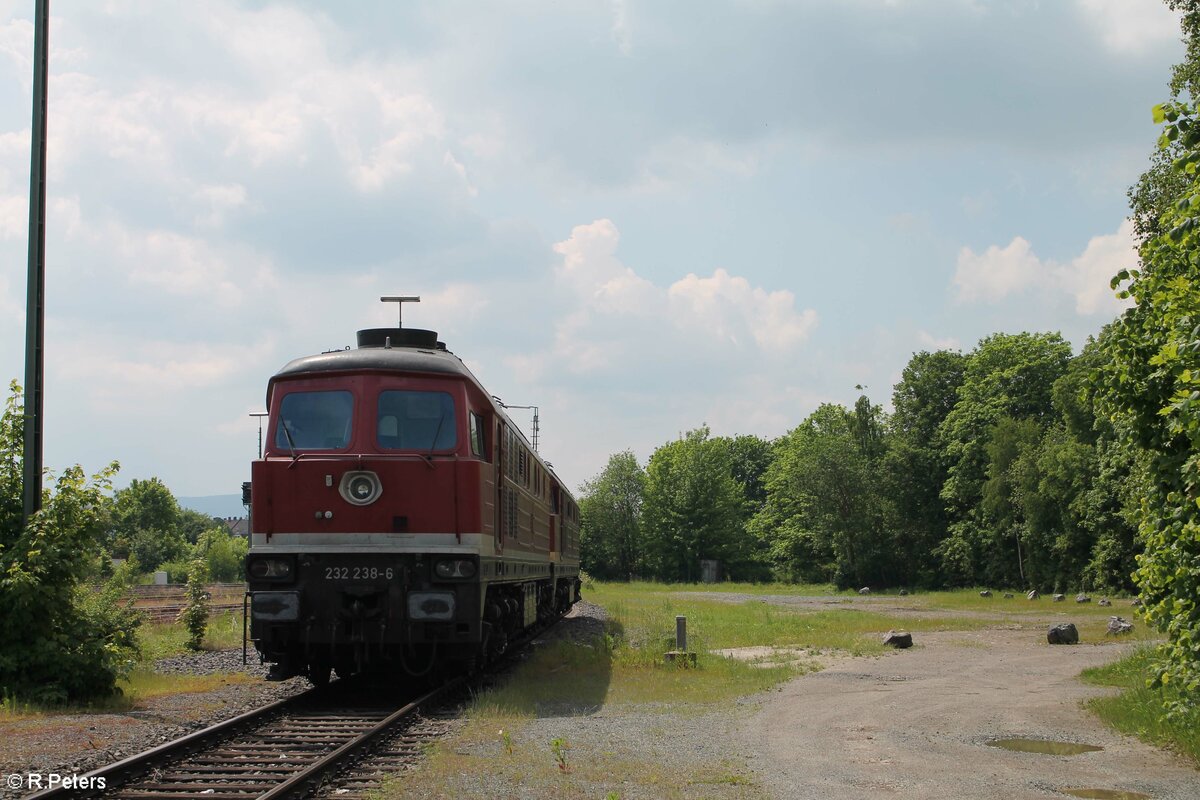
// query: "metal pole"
[[35, 307], [260, 415], [681, 634]]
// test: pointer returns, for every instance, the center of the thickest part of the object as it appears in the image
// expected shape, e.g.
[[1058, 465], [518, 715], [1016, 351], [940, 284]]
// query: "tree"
[[146, 524], [1151, 380], [1007, 375], [610, 513], [915, 466], [223, 554], [192, 523], [692, 509], [749, 457], [62, 641], [824, 517]]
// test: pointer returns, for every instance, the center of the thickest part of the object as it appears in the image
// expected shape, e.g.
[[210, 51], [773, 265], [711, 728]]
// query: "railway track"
[[341, 740]]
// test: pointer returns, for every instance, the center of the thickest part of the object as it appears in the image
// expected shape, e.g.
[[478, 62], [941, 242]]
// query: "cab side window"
[[478, 445]]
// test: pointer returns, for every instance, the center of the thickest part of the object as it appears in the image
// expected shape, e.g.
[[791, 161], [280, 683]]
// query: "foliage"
[[223, 553], [692, 509], [1007, 375], [915, 466], [1152, 380], [145, 524], [610, 513], [194, 615], [63, 641], [192, 523], [823, 497], [749, 457], [1137, 709]]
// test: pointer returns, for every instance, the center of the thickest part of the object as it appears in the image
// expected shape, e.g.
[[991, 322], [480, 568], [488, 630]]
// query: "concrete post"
[[681, 634]]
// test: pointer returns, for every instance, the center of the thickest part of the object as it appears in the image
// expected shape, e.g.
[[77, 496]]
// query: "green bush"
[[63, 640], [195, 614]]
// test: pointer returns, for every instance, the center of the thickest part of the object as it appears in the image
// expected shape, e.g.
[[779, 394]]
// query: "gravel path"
[[917, 723]]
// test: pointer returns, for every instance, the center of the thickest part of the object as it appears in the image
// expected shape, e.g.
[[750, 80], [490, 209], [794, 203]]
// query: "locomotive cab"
[[399, 521]]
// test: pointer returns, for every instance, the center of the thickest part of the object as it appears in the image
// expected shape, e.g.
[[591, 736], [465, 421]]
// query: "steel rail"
[[300, 784], [132, 763]]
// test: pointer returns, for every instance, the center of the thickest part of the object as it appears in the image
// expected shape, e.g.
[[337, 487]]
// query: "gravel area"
[[77, 743]]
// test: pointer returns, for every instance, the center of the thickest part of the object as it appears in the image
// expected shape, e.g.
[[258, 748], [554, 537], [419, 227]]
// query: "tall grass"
[[163, 639], [1138, 709]]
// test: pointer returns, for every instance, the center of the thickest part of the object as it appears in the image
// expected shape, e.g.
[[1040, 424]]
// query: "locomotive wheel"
[[318, 674]]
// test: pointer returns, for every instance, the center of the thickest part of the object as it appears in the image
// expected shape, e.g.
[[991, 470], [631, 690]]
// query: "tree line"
[[994, 468]]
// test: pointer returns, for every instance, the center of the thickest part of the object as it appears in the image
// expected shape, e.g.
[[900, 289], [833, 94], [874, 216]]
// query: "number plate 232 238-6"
[[358, 573]]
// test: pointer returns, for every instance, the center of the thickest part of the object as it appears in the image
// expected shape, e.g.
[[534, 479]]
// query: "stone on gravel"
[[899, 640], [1063, 633], [985, 593], [1118, 626], [865, 590], [1032, 594], [1082, 598], [1058, 598]]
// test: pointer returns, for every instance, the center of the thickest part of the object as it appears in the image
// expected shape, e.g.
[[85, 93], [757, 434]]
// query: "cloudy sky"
[[639, 216]]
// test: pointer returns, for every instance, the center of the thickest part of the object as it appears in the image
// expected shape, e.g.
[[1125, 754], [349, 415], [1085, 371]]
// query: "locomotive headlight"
[[360, 487], [270, 568], [455, 568]]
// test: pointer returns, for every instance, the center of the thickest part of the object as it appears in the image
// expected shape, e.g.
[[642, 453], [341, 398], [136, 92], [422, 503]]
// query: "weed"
[[506, 740], [559, 746]]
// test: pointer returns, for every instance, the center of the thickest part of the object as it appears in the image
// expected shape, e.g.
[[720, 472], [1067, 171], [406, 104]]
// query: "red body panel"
[[439, 495]]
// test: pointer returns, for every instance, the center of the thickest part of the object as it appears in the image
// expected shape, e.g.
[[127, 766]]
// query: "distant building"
[[238, 526]]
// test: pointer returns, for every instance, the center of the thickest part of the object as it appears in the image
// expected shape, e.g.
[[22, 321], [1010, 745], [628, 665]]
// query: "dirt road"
[[916, 723]]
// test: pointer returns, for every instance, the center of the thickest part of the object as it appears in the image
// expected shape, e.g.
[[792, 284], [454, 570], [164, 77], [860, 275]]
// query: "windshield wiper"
[[291, 442], [437, 432]]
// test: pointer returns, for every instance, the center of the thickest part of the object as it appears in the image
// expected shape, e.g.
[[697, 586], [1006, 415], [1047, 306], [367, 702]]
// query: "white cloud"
[[14, 216], [1131, 26], [218, 200], [591, 269], [999, 272], [615, 312], [727, 304], [1088, 277], [622, 32]]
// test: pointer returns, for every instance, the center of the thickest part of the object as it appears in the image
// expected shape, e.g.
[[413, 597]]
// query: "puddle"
[[1045, 747], [1105, 794]]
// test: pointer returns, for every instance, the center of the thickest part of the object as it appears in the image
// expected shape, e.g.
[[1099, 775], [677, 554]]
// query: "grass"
[[163, 639], [1137, 710], [157, 640]]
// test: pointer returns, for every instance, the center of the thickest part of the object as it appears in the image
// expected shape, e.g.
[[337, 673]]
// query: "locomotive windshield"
[[314, 421], [416, 421]]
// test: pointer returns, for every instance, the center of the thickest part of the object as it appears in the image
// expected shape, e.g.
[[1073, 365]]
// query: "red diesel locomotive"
[[399, 520]]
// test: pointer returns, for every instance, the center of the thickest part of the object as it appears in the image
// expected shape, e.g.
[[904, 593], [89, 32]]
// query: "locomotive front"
[[378, 511]]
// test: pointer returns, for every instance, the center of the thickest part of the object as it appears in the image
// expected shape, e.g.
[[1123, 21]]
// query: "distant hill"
[[215, 505]]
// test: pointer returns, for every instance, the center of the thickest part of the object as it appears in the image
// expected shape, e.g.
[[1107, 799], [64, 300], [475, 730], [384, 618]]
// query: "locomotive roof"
[[394, 359]]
